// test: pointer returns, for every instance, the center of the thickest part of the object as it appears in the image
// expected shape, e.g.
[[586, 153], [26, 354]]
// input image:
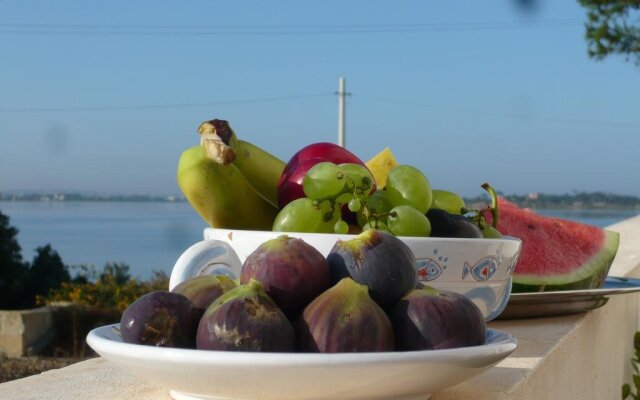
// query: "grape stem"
[[387, 214], [375, 216], [494, 204]]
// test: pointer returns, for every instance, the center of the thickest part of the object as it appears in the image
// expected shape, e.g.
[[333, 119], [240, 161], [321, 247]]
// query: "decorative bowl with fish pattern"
[[477, 268]]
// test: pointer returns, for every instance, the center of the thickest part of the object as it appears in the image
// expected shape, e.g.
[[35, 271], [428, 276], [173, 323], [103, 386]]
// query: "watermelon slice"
[[556, 254]]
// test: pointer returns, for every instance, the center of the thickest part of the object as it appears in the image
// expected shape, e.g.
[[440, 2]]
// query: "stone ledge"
[[92, 379], [628, 257], [556, 357]]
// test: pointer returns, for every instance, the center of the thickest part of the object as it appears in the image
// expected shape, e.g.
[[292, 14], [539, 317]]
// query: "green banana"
[[261, 168], [221, 194]]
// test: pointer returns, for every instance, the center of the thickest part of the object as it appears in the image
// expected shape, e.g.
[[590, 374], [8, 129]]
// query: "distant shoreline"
[[576, 201], [64, 197]]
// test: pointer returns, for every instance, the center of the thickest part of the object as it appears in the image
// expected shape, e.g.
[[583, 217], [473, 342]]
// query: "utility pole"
[[341, 108]]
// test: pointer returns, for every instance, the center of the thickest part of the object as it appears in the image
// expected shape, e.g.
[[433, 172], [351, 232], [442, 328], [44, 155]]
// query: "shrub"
[[627, 390], [112, 289]]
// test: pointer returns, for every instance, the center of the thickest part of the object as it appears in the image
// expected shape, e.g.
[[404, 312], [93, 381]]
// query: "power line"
[[611, 124], [280, 26], [316, 95], [238, 30], [161, 106]]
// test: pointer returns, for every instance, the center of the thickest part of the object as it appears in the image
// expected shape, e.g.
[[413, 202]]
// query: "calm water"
[[149, 236], [146, 236], [600, 218]]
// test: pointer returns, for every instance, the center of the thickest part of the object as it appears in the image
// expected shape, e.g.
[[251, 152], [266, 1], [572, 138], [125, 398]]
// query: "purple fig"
[[427, 318], [203, 290], [245, 319], [291, 271], [161, 318], [379, 260], [344, 319]]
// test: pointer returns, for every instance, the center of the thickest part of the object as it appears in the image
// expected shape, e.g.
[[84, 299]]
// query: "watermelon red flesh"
[[556, 254]]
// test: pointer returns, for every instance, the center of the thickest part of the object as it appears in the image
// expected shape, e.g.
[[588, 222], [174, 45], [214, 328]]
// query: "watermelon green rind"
[[591, 273]]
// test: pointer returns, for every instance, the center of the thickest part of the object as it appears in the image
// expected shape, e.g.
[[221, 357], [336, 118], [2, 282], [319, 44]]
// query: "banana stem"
[[494, 203], [218, 140], [220, 128]]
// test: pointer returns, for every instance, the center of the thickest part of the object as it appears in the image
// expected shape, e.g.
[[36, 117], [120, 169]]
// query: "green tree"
[[47, 272], [613, 28], [13, 271]]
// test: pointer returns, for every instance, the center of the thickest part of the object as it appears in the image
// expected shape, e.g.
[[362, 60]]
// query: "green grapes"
[[490, 232], [376, 203], [406, 185], [323, 181], [354, 205], [330, 215], [448, 201], [358, 178], [302, 215], [407, 221], [400, 208], [344, 198], [341, 227]]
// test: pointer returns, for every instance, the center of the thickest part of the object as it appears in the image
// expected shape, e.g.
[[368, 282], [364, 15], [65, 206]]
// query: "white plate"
[[548, 304], [202, 374]]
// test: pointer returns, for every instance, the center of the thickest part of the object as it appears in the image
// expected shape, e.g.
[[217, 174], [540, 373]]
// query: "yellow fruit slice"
[[380, 165]]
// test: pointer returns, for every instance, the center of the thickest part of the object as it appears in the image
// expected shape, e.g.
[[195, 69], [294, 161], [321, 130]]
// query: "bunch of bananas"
[[231, 183]]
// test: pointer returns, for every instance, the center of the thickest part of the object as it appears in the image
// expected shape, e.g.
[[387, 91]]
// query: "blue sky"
[[104, 96]]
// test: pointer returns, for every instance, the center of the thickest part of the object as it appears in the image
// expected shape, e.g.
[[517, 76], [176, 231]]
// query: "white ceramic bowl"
[[477, 268], [230, 375]]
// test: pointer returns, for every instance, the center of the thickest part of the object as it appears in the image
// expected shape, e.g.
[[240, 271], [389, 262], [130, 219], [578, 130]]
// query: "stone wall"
[[25, 332]]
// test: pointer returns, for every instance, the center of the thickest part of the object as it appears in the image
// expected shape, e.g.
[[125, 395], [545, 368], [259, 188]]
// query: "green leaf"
[[626, 390], [636, 382], [611, 28]]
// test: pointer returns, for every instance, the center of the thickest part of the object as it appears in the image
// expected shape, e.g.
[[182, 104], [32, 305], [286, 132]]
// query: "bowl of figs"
[[478, 268], [249, 315]]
